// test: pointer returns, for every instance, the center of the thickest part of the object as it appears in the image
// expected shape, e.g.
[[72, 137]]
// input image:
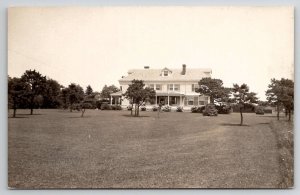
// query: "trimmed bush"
[[129, 107], [197, 109], [179, 109], [105, 106], [143, 108], [118, 107], [154, 108], [166, 108], [224, 109]]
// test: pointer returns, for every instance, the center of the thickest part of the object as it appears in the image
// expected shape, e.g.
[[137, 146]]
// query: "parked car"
[[210, 110]]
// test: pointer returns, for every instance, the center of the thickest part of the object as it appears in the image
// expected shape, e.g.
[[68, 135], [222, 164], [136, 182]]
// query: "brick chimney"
[[146, 67], [183, 69]]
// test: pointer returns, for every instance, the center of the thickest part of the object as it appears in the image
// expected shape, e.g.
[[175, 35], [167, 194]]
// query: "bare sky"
[[97, 45]]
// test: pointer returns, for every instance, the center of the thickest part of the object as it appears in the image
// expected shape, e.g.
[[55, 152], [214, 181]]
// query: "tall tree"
[[137, 94], [64, 93], [108, 90], [36, 83], [243, 97], [51, 95], [75, 95], [89, 90], [214, 89], [281, 93], [17, 91]]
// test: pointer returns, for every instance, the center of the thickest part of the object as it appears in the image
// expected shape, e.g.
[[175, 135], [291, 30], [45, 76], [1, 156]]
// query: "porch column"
[[168, 99], [111, 100]]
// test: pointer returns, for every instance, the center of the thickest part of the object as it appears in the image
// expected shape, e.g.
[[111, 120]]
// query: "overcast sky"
[[97, 46]]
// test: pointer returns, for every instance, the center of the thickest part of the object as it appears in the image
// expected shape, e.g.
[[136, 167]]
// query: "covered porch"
[[169, 98], [116, 98]]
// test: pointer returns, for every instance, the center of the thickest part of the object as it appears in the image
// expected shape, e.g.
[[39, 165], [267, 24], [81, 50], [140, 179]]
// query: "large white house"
[[174, 87]]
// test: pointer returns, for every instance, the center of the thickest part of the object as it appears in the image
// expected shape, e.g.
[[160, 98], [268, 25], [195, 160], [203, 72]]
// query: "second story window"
[[195, 87], [158, 87], [176, 87], [166, 73], [151, 86]]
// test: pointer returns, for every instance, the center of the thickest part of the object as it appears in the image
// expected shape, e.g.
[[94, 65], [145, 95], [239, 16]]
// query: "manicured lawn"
[[57, 149]]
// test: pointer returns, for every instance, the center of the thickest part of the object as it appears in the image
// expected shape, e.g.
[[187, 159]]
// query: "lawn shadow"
[[128, 115], [234, 124], [29, 114], [271, 116], [263, 123], [18, 117], [79, 117]]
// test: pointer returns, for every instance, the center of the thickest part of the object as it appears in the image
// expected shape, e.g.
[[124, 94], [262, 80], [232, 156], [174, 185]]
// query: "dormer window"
[[166, 73]]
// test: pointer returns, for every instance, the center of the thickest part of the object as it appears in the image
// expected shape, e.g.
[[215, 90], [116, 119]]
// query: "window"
[[151, 86], [158, 87], [201, 103], [166, 73], [176, 87], [173, 87], [206, 98], [195, 87], [190, 101], [174, 101]]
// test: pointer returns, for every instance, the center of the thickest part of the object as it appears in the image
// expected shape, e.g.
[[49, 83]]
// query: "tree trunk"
[[82, 112], [211, 99], [14, 114], [241, 112], [71, 108], [289, 114], [31, 105], [131, 112], [277, 111], [135, 112], [138, 110]]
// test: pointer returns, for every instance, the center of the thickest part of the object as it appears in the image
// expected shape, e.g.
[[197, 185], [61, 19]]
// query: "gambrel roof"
[[191, 74]]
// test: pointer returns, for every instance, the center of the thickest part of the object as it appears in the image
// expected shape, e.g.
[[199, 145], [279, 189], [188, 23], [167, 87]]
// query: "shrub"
[[166, 108], [76, 107], [100, 102], [224, 109], [194, 109], [129, 107], [105, 106], [179, 109], [118, 107], [143, 108], [197, 109], [113, 107], [154, 108]]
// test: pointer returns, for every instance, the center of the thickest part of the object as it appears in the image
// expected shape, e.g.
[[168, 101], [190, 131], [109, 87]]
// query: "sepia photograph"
[[150, 97]]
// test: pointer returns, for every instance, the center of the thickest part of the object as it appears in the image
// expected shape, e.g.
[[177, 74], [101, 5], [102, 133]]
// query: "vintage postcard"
[[150, 97]]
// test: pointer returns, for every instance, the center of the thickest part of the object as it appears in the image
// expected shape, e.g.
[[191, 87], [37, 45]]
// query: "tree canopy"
[[89, 90], [108, 90], [214, 89], [17, 93], [138, 94], [243, 97], [281, 92], [36, 83]]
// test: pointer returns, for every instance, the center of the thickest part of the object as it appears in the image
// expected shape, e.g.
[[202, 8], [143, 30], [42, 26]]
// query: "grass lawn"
[[59, 149]]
